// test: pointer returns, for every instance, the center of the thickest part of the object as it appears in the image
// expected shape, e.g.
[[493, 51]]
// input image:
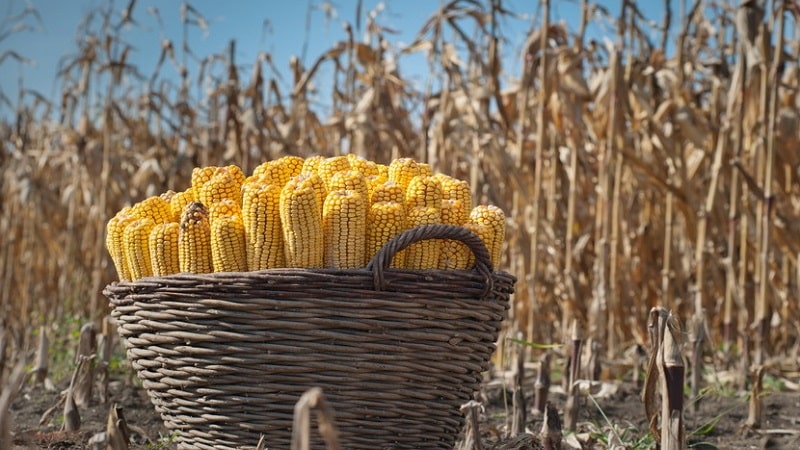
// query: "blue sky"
[[274, 26]]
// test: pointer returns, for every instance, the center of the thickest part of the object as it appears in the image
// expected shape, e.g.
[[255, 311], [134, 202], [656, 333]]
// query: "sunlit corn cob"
[[315, 181], [424, 169], [482, 231], [167, 195], [373, 181], [402, 170], [154, 208], [194, 240], [454, 254], [228, 251], [349, 180], [222, 208], [363, 165], [178, 203], [301, 217], [221, 186], [455, 189], [201, 175], [388, 192], [385, 220], [344, 223], [423, 191], [423, 255], [311, 163], [115, 244], [329, 166], [234, 171], [163, 243], [137, 247], [494, 219], [262, 226], [279, 171]]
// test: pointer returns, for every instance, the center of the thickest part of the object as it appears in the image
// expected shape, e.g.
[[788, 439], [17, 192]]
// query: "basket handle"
[[381, 261]]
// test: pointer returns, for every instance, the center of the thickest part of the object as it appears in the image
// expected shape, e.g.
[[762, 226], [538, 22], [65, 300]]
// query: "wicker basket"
[[224, 357]]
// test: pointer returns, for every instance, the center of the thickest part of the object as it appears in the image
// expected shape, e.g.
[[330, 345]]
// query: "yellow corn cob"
[[137, 247], [293, 165], [402, 170], [201, 175], [423, 255], [494, 219], [178, 203], [262, 226], [373, 181], [385, 220], [329, 166], [311, 164], [222, 185], [301, 217], [454, 254], [350, 180], [363, 165], [276, 172], [154, 208], [383, 171], [115, 230], [234, 171], [388, 192], [163, 243], [167, 195], [455, 189], [222, 208], [194, 240], [344, 228], [425, 169], [228, 251], [315, 181], [423, 191], [483, 232]]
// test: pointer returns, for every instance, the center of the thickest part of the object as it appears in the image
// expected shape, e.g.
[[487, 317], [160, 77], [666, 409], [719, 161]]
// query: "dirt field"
[[717, 423]]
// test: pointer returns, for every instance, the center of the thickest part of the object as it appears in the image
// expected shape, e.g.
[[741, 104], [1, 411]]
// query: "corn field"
[[657, 167]]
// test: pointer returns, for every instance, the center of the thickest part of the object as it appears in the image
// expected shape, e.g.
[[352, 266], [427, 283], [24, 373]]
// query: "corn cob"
[[115, 230], [363, 165], [201, 175], [329, 166], [137, 247], [388, 192], [262, 226], [178, 203], [222, 185], [279, 171], [344, 223], [315, 181], [483, 232], [454, 254], [293, 165], [167, 195], [385, 220], [194, 240], [350, 180], [163, 243], [494, 220], [455, 189], [402, 170], [423, 255], [301, 217], [154, 208], [311, 164], [222, 208], [228, 251], [425, 169], [423, 191]]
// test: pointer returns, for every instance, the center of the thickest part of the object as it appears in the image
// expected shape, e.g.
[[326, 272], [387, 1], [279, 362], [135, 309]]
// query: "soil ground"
[[615, 413]]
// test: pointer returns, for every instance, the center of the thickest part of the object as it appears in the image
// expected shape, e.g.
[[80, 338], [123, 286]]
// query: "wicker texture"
[[225, 356]]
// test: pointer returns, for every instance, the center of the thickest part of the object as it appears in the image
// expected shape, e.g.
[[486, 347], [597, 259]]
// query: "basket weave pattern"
[[224, 357]]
